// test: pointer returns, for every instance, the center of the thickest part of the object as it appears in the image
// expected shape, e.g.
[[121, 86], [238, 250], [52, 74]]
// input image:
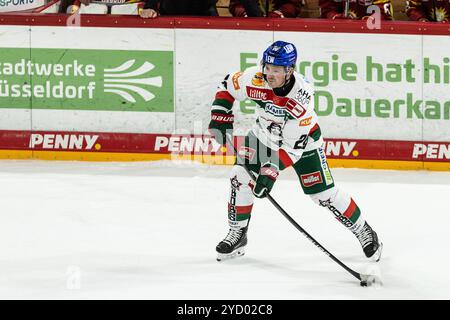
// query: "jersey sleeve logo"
[[258, 80], [235, 81]]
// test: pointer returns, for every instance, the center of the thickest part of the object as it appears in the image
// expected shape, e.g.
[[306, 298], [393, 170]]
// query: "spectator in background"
[[64, 4], [428, 10], [154, 8], [270, 8], [357, 9], [71, 6]]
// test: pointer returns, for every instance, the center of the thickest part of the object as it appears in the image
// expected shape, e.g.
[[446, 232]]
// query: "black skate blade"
[[227, 256], [377, 255]]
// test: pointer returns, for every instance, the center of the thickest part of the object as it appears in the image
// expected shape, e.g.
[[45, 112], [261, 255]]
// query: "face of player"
[[276, 75]]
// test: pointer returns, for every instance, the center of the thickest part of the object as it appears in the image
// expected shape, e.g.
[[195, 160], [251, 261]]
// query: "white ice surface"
[[73, 230]]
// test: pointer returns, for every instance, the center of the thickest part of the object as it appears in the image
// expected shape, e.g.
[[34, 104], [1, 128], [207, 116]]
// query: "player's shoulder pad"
[[255, 76], [249, 77]]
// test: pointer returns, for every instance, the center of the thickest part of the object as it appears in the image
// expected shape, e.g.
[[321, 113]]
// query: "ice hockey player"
[[286, 133]]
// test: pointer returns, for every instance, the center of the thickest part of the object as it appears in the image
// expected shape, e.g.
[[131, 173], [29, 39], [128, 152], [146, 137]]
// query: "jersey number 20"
[[301, 142]]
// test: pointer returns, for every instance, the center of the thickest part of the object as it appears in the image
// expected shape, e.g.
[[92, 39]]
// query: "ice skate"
[[369, 241], [233, 245]]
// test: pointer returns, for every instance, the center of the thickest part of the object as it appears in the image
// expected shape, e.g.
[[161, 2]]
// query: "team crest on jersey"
[[258, 80], [275, 129]]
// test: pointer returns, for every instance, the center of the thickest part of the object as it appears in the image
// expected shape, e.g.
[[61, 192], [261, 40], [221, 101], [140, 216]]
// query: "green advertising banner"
[[405, 72], [76, 79]]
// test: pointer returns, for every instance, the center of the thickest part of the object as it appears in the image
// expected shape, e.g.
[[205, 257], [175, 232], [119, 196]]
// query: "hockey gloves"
[[220, 123], [267, 176]]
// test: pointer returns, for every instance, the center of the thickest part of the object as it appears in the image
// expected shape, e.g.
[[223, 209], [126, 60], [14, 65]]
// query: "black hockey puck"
[[363, 284]]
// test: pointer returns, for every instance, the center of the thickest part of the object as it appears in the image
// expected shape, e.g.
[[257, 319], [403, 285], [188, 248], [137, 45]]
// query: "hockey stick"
[[365, 279]]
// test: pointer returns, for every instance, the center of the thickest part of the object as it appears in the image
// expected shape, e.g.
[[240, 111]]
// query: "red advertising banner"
[[190, 145]]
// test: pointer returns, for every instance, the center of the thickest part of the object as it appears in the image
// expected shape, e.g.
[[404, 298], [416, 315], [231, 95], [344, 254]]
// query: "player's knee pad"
[[239, 175], [328, 196]]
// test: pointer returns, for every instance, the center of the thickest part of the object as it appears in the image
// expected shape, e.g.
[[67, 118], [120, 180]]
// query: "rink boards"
[[104, 88], [100, 146]]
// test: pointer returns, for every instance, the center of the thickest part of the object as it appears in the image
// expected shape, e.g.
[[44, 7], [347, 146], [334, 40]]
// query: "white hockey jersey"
[[286, 124]]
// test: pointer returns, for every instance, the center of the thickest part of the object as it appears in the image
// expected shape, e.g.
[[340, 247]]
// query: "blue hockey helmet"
[[280, 53]]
